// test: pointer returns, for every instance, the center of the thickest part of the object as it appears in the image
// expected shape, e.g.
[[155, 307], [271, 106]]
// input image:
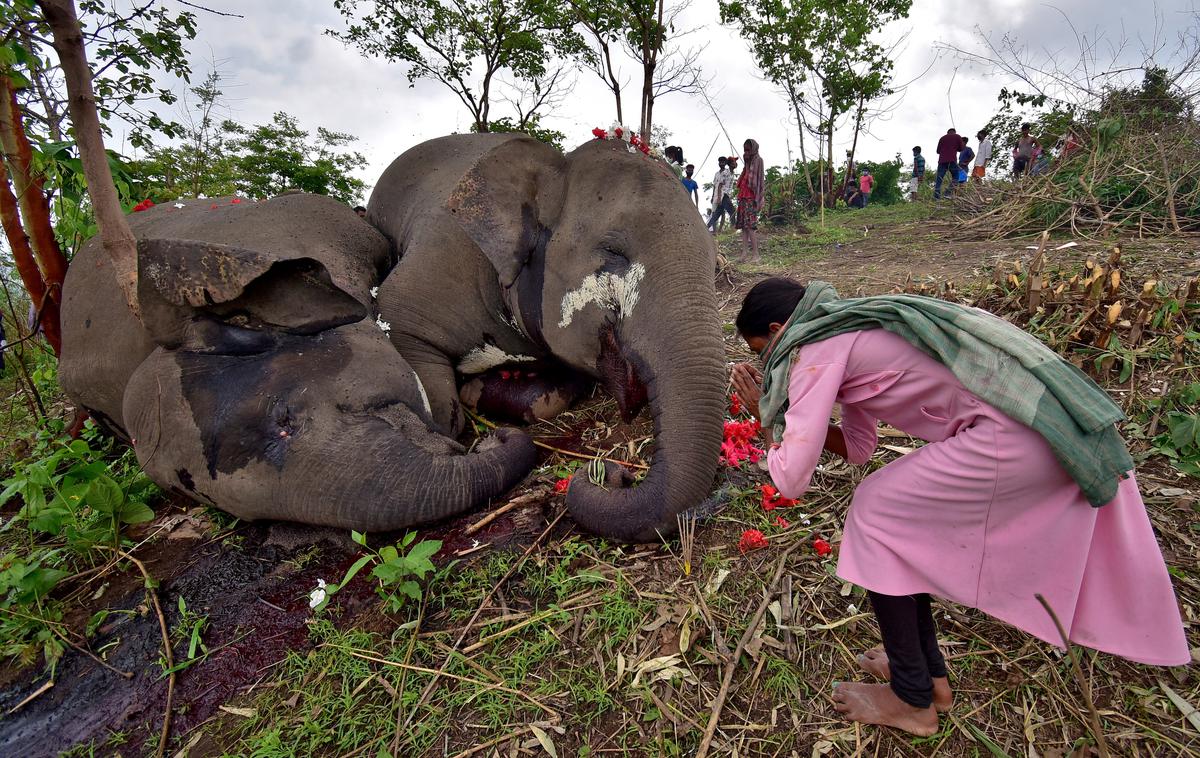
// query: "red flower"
[[618, 132], [739, 446], [144, 205], [644, 148], [561, 485], [752, 539], [771, 499], [213, 207], [600, 133], [506, 375], [235, 201], [822, 547], [782, 523], [735, 405]]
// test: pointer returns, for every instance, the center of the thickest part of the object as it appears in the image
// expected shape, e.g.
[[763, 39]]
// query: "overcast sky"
[[277, 57]]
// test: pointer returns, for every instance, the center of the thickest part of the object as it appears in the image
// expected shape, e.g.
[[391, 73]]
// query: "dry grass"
[[576, 647]]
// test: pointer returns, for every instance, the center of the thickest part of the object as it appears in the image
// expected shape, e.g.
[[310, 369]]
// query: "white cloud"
[[278, 58]]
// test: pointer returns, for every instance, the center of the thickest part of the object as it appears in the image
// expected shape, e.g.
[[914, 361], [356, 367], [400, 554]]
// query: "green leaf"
[[136, 513], [358, 537], [1185, 429], [39, 581], [423, 550], [354, 569], [992, 747], [105, 495], [50, 520], [388, 553]]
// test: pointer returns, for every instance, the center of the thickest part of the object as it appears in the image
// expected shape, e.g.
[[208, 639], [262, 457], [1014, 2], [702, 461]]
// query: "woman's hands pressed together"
[[747, 382]]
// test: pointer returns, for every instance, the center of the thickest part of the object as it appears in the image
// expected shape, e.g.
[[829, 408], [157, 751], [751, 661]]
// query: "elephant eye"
[[612, 252]]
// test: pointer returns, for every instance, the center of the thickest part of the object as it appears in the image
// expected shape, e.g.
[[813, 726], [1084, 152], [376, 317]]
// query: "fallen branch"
[[167, 653], [1093, 715], [422, 670], [569, 453], [441, 670], [715, 717], [516, 502]]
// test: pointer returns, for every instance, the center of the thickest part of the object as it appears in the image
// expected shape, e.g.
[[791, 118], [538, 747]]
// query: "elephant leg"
[[524, 394], [437, 381]]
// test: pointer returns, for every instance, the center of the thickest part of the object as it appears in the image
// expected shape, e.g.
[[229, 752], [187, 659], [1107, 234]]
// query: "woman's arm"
[[812, 390]]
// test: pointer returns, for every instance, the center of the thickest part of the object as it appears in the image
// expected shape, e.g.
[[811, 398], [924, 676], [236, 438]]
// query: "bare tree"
[[532, 98]]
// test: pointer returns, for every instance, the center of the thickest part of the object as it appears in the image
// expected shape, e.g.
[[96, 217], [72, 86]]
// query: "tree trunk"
[[791, 90], [831, 199], [54, 115], [31, 198], [27, 268], [611, 79], [115, 235], [853, 144], [39, 259]]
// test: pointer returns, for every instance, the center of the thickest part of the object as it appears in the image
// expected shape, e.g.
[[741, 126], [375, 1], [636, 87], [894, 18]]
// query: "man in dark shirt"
[[948, 148]]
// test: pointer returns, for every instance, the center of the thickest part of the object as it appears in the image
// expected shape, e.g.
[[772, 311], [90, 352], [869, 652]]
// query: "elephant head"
[[605, 264], [269, 390]]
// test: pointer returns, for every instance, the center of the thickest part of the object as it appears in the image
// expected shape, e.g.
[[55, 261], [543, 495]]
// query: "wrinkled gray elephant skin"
[[262, 384], [514, 255]]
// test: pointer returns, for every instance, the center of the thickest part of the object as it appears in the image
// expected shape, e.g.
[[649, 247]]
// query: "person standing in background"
[[918, 173], [751, 185], [965, 156], [983, 155], [690, 184], [865, 183], [721, 202], [1026, 145], [947, 149]]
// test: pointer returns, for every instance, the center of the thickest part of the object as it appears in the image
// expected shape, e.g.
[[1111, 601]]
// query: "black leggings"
[[910, 641]]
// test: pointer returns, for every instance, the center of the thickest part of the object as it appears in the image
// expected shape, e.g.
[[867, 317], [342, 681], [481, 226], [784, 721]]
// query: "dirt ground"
[[585, 648]]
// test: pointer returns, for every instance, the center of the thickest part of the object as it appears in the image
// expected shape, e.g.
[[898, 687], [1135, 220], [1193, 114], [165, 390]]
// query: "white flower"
[[474, 544], [202, 196], [385, 326], [178, 205], [631, 148], [853, 608], [317, 596], [374, 292]]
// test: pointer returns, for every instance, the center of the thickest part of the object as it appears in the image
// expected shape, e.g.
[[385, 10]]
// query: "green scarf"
[[995, 360]]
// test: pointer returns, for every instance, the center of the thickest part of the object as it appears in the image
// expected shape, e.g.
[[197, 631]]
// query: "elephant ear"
[[509, 200], [188, 290]]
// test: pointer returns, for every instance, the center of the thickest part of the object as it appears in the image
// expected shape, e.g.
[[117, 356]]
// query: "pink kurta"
[[982, 515]]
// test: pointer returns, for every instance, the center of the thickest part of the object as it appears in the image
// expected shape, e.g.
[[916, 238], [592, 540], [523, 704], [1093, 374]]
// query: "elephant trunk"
[[682, 370], [388, 482]]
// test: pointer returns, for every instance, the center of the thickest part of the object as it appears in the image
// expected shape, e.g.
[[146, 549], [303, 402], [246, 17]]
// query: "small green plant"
[[191, 626], [27, 616], [399, 574], [1181, 440], [70, 489]]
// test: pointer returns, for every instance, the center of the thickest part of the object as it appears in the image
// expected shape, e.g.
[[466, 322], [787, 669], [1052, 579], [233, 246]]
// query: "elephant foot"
[[524, 394]]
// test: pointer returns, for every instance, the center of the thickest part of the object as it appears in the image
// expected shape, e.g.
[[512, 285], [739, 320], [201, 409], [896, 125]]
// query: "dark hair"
[[771, 301], [981, 134], [917, 149], [1026, 126], [951, 130], [358, 208], [690, 167], [964, 139], [722, 161]]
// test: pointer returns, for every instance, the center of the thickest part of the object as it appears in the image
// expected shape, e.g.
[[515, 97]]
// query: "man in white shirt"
[[722, 204], [982, 155]]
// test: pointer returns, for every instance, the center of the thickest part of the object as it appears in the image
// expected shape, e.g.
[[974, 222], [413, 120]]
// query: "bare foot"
[[877, 704], [875, 662]]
